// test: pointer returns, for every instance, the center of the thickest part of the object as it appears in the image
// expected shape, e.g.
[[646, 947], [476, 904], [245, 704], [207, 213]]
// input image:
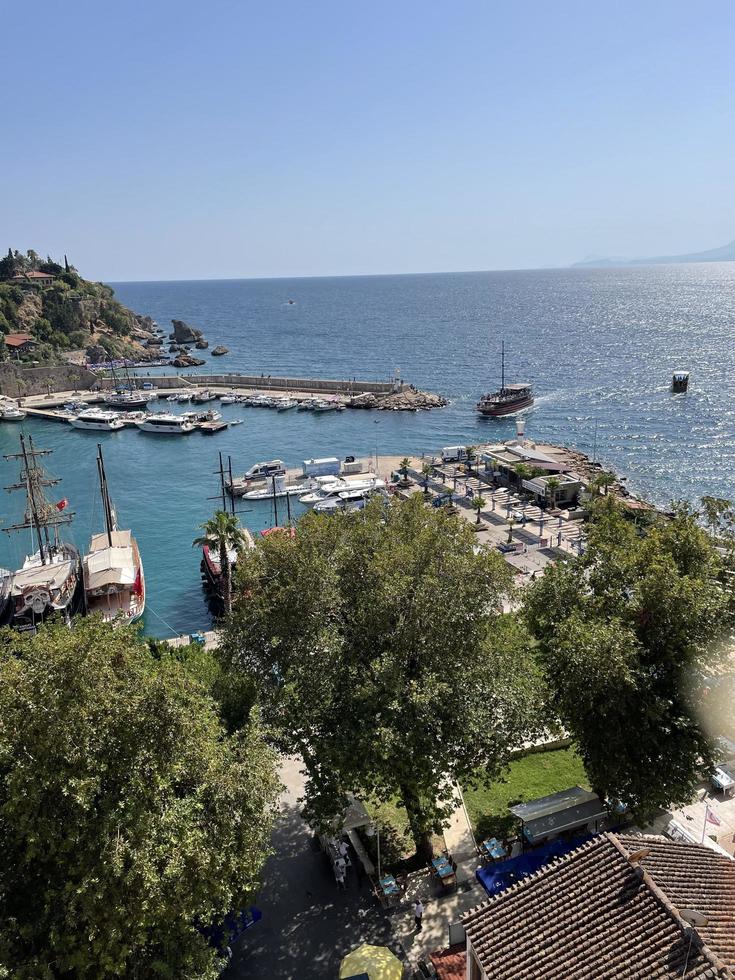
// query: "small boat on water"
[[205, 395], [328, 406], [508, 399], [165, 424], [97, 419], [50, 581], [679, 381], [130, 399], [183, 397], [230, 398], [11, 413], [277, 487], [114, 583], [211, 415], [307, 405], [173, 398], [286, 404]]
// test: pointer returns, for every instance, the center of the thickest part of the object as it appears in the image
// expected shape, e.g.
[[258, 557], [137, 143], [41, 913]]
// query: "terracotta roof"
[[596, 914], [450, 963], [17, 339], [33, 274]]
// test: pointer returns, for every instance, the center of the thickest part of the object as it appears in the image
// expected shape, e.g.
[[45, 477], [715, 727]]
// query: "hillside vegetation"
[[71, 313]]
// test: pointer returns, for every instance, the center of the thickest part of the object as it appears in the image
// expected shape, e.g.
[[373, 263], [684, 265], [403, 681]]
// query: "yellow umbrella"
[[374, 962]]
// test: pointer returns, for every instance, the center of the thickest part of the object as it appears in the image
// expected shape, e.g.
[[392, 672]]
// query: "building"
[[621, 905], [33, 278], [504, 459], [571, 810], [19, 343]]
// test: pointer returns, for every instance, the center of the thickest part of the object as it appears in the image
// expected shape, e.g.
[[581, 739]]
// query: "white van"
[[264, 471], [454, 454]]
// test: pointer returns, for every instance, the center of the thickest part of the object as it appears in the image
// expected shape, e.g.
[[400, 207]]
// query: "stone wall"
[[333, 386], [17, 381]]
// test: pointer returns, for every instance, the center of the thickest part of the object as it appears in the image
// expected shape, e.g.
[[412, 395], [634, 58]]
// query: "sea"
[[599, 346]]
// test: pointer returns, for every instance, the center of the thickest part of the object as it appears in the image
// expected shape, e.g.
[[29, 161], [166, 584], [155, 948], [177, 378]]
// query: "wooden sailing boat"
[[50, 581], [508, 399], [114, 583]]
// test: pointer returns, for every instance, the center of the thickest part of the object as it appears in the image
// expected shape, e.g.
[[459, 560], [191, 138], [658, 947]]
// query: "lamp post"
[[372, 831]]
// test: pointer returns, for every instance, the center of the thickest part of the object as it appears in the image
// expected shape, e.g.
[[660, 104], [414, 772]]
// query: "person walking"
[[418, 914]]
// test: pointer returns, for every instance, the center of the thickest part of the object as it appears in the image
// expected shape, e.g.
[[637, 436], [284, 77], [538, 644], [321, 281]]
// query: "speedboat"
[[307, 404], [229, 399], [75, 407], [286, 404], [203, 396], [11, 413], [278, 488], [98, 419], [347, 500], [326, 406], [331, 489], [172, 398], [166, 424], [211, 415], [183, 397]]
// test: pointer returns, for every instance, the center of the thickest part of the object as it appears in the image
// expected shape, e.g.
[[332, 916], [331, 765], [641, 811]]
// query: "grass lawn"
[[529, 777]]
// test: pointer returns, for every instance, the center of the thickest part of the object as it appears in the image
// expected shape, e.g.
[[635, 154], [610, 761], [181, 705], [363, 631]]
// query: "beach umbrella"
[[373, 962]]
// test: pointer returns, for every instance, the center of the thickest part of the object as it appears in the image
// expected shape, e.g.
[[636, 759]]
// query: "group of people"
[[341, 863]]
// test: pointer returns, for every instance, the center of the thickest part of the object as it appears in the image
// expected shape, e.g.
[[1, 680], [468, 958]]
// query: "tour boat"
[[332, 489], [97, 418], [211, 559], [114, 582], [50, 581], [166, 424], [508, 399], [11, 413]]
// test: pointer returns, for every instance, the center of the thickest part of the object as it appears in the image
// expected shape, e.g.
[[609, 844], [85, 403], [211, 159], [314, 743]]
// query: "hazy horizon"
[[158, 143]]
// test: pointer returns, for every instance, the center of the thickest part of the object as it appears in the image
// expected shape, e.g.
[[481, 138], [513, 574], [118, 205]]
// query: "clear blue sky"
[[158, 139]]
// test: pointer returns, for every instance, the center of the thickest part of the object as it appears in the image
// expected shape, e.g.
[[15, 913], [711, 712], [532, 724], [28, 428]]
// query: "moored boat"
[[114, 582], [97, 419], [204, 395], [11, 413], [330, 489], [166, 424], [50, 580]]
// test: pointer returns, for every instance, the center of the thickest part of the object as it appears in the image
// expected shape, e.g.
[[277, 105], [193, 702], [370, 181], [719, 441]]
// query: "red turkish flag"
[[62, 504]]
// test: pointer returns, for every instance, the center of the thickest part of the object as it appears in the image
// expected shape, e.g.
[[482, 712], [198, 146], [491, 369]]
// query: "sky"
[[182, 140]]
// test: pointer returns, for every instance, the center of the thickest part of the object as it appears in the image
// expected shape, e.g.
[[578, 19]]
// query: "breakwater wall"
[[348, 386]]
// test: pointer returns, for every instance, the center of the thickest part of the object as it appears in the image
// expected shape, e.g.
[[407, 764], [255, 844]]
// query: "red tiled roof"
[[594, 913], [33, 274], [450, 963], [17, 339]]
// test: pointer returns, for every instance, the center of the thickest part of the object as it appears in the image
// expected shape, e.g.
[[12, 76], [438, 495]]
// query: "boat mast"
[[109, 522], [502, 365]]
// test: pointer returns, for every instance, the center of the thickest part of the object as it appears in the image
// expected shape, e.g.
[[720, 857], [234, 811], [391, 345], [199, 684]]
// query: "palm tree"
[[478, 503], [403, 470], [602, 481], [471, 455], [511, 522], [222, 532], [426, 471], [552, 485]]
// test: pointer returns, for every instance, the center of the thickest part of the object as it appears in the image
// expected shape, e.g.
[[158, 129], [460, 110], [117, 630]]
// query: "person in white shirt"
[[418, 913]]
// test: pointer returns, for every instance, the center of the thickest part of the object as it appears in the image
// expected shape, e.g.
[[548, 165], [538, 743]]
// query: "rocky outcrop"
[[219, 351], [201, 344], [184, 334], [186, 360], [407, 400], [97, 354]]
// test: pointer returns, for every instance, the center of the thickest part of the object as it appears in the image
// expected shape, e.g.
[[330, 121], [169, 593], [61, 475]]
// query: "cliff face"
[[68, 313]]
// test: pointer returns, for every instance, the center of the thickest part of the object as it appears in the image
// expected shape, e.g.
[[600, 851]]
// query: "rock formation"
[[408, 400], [186, 360], [219, 351], [201, 344], [184, 334]]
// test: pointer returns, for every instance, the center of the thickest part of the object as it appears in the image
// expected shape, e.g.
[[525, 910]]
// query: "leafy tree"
[[552, 485], [8, 265], [626, 636], [602, 482], [427, 471], [403, 469], [382, 656], [128, 817], [222, 533], [478, 503]]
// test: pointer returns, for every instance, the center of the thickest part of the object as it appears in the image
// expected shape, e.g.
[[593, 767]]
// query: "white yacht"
[[277, 487], [331, 489], [285, 404], [228, 399], [203, 396], [328, 406], [347, 500], [163, 422], [11, 413], [97, 418]]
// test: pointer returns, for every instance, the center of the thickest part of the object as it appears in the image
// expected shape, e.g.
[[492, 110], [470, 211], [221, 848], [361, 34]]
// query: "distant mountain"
[[725, 253]]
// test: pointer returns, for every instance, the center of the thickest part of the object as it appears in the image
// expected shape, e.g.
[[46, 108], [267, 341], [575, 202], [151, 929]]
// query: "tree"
[[222, 533], [511, 522], [383, 658], [403, 468], [427, 471], [552, 485], [478, 503], [602, 482], [471, 456], [128, 817], [627, 634]]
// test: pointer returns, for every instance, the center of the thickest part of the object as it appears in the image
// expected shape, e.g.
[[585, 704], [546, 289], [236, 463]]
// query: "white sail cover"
[[106, 565]]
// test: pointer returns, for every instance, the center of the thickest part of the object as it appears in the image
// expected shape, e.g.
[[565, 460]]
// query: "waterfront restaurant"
[[503, 459]]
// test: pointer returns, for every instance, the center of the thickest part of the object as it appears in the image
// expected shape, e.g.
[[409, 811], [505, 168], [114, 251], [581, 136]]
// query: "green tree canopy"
[[127, 815], [383, 656], [627, 634]]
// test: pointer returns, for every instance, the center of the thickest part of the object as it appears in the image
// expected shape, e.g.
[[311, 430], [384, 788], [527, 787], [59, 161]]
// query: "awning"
[[110, 566]]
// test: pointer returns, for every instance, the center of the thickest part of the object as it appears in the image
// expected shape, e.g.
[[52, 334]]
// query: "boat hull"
[[98, 426], [505, 408]]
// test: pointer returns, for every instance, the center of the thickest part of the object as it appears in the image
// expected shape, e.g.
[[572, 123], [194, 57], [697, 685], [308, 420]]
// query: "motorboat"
[[307, 405], [50, 580], [508, 399], [166, 424], [205, 395], [347, 500], [286, 404], [98, 419], [278, 488], [11, 413], [184, 396], [331, 488], [260, 472], [229, 399], [327, 406], [114, 583], [173, 398], [211, 415], [75, 407]]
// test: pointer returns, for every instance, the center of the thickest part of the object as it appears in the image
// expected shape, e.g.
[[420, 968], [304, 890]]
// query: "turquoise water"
[[600, 346]]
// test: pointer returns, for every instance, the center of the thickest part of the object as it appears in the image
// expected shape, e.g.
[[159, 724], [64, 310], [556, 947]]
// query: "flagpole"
[[704, 826]]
